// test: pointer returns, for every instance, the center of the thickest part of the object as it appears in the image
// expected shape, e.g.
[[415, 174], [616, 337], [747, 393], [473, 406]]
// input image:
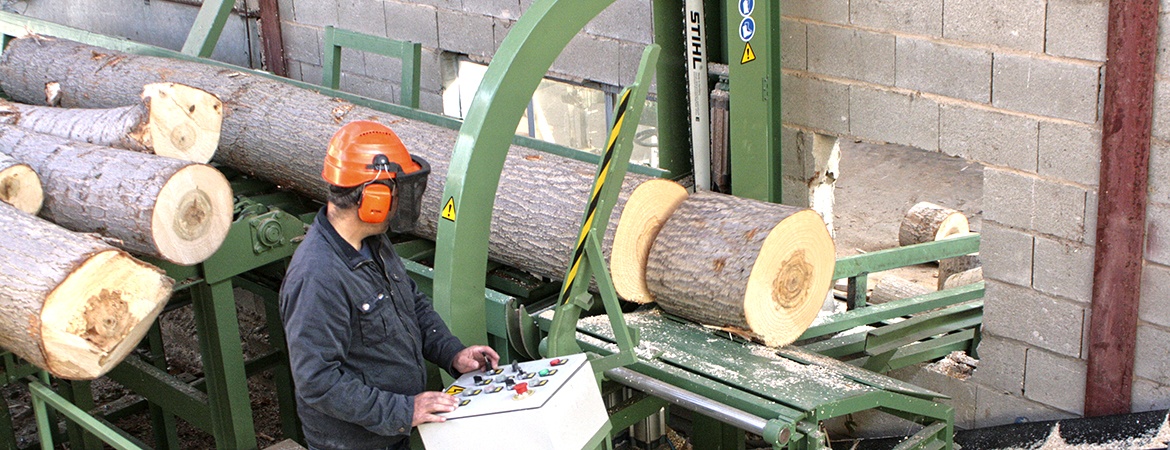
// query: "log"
[[893, 287], [964, 278], [176, 210], [20, 186], [738, 263], [948, 268], [170, 120], [69, 303], [928, 222], [648, 208], [279, 132]]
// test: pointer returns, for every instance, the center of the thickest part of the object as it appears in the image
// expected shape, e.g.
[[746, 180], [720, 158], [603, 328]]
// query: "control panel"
[[557, 400]]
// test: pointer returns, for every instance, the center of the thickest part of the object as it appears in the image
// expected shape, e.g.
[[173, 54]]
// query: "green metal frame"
[[410, 53], [44, 398], [208, 26], [858, 267], [755, 119]]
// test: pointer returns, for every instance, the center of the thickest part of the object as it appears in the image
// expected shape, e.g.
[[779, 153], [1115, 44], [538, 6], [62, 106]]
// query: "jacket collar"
[[350, 255]]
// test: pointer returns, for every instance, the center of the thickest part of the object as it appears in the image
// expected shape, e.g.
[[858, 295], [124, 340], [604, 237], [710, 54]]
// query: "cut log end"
[[645, 212], [790, 278], [192, 215], [928, 222], [99, 313], [21, 187], [184, 121]]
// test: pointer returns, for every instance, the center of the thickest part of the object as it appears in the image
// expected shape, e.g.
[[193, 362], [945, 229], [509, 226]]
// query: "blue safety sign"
[[747, 29], [746, 7]]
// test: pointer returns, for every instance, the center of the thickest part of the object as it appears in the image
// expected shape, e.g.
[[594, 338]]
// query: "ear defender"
[[375, 204]]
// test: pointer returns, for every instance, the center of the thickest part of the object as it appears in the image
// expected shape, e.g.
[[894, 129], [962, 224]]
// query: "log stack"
[[279, 132], [70, 303]]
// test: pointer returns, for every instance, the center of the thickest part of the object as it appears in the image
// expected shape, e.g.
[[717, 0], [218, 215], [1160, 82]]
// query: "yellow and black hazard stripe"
[[595, 197]]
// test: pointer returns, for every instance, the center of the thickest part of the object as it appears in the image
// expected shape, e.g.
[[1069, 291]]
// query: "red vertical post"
[[271, 37], [1121, 214]]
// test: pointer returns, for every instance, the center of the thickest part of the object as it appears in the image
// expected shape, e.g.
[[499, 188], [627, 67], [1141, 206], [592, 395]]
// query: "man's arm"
[[439, 345], [318, 333]]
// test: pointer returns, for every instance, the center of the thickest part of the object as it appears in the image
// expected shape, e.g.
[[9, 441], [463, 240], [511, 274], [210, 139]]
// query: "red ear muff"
[[375, 204]]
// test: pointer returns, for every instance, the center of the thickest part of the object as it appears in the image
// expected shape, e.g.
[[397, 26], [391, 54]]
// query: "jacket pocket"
[[371, 318]]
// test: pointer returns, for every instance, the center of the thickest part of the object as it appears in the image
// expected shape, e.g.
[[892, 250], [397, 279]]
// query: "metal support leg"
[[223, 365], [282, 374], [79, 394], [712, 434], [162, 423]]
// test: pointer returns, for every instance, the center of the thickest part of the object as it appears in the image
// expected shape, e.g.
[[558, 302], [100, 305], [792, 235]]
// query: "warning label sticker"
[[449, 209], [454, 390], [748, 56]]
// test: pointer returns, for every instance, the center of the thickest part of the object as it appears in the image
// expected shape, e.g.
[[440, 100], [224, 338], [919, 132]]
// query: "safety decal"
[[748, 56], [454, 390], [449, 209]]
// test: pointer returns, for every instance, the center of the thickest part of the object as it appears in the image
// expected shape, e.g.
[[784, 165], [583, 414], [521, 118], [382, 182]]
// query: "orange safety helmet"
[[367, 154]]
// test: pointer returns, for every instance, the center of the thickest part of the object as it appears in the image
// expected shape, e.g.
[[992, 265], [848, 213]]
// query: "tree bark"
[[952, 266], [892, 287], [20, 186], [69, 303], [928, 222], [733, 262], [163, 207], [648, 208], [169, 120], [279, 132]]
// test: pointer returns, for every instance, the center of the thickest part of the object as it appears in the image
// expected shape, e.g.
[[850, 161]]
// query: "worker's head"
[[368, 168]]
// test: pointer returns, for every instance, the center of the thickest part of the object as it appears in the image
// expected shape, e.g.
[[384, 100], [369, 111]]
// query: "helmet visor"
[[410, 188]]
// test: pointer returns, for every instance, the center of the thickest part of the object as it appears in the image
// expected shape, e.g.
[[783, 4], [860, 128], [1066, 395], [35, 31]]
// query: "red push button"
[[521, 388], [558, 362]]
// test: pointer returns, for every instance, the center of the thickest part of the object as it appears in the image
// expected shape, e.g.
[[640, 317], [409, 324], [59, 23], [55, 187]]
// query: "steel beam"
[[272, 38], [1127, 122]]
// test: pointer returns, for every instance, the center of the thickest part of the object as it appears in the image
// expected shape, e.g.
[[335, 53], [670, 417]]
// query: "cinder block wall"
[[1015, 85]]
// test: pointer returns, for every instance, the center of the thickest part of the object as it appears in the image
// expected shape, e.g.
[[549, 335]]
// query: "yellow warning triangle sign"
[[454, 390], [449, 209], [748, 54]]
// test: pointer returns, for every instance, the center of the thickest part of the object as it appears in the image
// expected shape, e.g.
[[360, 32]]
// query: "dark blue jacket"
[[358, 330]]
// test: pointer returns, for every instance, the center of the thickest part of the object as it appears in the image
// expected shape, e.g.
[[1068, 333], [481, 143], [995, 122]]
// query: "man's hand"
[[476, 357], [427, 404]]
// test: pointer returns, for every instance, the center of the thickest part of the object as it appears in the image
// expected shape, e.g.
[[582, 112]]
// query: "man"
[[358, 328]]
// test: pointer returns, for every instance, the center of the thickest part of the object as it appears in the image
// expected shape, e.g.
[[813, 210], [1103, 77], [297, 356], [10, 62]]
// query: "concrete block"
[[1155, 305], [997, 408], [362, 16], [1159, 178], [815, 103], [1060, 209], [441, 4], [1018, 25], [302, 43], [893, 117], [500, 30], [794, 42], [1064, 269], [630, 57], [1077, 28], [1161, 128], [989, 137], [1006, 254], [286, 9], [1090, 218], [311, 73], [834, 11], [1031, 317], [412, 22], [1162, 63], [1070, 152], [1061, 89], [1008, 199], [1149, 396], [1056, 381], [385, 68], [944, 69], [504, 9], [1001, 364], [1158, 233], [369, 87], [470, 34], [1150, 360], [626, 20], [294, 71], [431, 102], [318, 13], [924, 17], [590, 57], [851, 53]]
